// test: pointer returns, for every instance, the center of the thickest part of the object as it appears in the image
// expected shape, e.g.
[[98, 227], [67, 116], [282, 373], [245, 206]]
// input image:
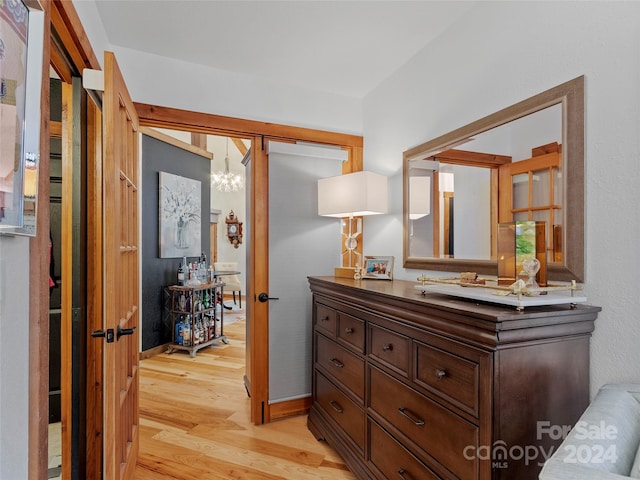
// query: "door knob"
[[263, 297], [102, 334], [124, 331]]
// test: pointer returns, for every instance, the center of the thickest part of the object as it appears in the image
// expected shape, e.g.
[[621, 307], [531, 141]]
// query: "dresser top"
[[470, 318]]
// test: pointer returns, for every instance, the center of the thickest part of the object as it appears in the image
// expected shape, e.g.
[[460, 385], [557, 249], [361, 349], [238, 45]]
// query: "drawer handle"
[[387, 347], [325, 318], [406, 413], [337, 362], [336, 406], [440, 373], [348, 330], [403, 474]]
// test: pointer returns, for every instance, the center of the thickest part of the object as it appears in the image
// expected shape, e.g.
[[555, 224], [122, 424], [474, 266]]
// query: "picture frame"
[[21, 76], [180, 216], [378, 268]]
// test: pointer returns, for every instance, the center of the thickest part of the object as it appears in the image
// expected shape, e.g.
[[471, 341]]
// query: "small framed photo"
[[380, 268]]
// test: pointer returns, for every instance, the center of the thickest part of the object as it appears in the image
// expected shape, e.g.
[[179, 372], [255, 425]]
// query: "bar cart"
[[195, 311]]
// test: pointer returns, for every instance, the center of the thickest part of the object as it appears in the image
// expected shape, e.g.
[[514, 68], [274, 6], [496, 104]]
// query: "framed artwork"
[[180, 217], [21, 26], [379, 268]]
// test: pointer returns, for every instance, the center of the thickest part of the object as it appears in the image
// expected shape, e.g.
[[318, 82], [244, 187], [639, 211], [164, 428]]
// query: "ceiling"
[[343, 47]]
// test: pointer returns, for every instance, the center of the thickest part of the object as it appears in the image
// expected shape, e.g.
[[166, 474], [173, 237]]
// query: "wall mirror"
[[524, 162], [21, 57]]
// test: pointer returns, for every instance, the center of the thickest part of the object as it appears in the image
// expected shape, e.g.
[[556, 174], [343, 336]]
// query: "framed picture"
[[21, 59], [180, 217], [380, 268]]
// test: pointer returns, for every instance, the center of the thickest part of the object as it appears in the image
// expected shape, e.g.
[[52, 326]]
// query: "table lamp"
[[348, 196]]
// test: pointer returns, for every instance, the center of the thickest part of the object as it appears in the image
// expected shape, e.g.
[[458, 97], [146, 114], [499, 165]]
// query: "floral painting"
[[180, 203]]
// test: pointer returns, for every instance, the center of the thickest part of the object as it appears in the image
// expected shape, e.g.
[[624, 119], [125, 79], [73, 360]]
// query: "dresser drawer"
[[351, 331], [393, 460], [341, 409], [325, 319], [390, 348], [452, 377], [433, 428], [345, 366]]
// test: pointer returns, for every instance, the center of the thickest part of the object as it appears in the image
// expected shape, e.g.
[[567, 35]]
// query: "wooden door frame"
[[39, 287]]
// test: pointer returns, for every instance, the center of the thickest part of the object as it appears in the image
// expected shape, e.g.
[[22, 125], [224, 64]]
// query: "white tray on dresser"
[[557, 297]]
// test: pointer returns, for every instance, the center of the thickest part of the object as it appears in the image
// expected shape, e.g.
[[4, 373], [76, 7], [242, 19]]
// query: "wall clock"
[[234, 229]]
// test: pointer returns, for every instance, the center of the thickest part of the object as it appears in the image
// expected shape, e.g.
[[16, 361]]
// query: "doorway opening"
[[214, 219]]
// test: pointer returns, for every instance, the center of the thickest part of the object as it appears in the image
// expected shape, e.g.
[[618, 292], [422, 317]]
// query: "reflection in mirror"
[[460, 228], [21, 58], [521, 163]]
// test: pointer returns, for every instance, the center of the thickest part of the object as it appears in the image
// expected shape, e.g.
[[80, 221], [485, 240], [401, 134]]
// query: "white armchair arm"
[[603, 444]]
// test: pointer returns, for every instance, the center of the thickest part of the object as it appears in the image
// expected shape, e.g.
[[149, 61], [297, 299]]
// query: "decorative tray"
[[558, 297]]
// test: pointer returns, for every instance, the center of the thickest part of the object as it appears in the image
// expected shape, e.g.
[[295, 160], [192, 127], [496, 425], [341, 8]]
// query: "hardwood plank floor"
[[195, 423]]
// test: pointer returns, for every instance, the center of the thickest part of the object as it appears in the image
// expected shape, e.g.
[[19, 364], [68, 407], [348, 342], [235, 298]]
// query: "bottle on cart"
[[179, 339], [186, 332], [205, 328], [180, 275], [201, 334], [195, 333], [203, 337], [212, 327], [193, 275]]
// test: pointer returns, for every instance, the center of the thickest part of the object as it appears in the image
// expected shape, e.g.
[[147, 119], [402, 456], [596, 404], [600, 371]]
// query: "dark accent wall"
[[157, 273]]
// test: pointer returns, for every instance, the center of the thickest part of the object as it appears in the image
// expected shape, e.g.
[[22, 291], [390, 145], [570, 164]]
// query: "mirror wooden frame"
[[571, 95]]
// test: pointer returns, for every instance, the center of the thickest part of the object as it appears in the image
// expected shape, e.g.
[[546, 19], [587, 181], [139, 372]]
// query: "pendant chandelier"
[[227, 181]]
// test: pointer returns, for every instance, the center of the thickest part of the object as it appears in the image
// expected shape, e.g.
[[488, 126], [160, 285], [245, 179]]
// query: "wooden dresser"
[[415, 387]]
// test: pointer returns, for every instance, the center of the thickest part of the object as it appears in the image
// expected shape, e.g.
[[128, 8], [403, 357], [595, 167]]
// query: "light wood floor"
[[194, 423]]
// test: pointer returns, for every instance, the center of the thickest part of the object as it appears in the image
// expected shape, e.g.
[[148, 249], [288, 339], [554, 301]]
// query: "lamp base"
[[344, 272]]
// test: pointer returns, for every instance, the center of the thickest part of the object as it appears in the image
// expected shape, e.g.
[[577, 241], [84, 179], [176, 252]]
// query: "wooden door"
[[121, 289], [278, 353]]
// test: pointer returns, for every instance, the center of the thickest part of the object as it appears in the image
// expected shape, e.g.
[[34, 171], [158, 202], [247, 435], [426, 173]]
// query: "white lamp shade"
[[353, 194], [446, 182], [419, 197]]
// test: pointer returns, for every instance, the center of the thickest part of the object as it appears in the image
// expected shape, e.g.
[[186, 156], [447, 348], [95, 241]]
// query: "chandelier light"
[[227, 181]]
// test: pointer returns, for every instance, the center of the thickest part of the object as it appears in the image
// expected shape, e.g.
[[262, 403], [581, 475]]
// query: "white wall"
[[14, 356], [501, 53]]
